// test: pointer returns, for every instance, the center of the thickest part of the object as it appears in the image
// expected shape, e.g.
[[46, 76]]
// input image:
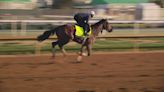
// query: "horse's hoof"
[[84, 54], [79, 58]]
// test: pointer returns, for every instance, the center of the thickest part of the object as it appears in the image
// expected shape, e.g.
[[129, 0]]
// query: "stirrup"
[[86, 35]]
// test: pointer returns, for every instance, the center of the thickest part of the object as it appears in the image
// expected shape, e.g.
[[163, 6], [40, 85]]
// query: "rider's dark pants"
[[81, 22], [86, 28]]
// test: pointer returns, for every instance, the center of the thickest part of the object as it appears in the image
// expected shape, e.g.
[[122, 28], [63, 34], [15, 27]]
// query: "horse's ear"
[[105, 19]]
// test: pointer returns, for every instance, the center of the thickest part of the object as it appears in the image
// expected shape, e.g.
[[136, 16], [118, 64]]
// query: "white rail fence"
[[24, 23]]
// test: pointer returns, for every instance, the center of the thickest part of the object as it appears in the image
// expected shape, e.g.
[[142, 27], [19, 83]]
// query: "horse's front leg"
[[82, 50], [89, 49], [81, 53]]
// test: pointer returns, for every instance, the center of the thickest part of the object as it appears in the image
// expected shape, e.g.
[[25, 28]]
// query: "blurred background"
[[21, 21], [114, 9]]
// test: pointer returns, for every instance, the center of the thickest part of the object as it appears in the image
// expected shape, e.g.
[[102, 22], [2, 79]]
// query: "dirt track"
[[112, 72]]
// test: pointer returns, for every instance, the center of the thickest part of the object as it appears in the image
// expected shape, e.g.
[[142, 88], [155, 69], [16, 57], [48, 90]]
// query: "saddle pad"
[[80, 31]]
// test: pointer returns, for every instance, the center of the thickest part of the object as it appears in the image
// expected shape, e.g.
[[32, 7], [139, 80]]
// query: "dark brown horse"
[[65, 33]]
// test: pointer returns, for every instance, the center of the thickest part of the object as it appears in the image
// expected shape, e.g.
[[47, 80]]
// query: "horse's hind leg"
[[82, 50], [53, 48], [62, 49]]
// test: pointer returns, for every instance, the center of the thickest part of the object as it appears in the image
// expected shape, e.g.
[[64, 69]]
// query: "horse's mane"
[[99, 22]]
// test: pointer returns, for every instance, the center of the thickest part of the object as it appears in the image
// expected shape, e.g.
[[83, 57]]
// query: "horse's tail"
[[46, 34]]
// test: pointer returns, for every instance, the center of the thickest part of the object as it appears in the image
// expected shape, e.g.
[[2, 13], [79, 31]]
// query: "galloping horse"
[[66, 33]]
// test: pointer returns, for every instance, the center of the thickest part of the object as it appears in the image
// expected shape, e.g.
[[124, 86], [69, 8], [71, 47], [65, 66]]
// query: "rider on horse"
[[82, 20]]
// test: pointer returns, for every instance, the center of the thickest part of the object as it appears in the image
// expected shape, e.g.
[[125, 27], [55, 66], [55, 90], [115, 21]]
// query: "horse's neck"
[[97, 29]]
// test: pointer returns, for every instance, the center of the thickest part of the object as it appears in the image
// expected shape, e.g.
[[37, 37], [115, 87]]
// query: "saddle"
[[76, 33], [79, 31]]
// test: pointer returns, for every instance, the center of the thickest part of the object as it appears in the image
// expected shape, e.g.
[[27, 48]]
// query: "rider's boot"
[[85, 34]]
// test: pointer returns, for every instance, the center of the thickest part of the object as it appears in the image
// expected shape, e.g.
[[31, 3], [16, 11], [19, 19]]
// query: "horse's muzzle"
[[110, 29]]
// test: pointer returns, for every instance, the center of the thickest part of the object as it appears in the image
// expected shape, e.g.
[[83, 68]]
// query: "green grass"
[[100, 45], [14, 48]]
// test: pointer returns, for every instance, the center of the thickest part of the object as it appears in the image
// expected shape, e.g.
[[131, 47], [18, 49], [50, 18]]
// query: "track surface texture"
[[101, 72]]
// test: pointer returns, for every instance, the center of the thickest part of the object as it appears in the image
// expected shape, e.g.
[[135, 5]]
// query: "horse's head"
[[106, 26]]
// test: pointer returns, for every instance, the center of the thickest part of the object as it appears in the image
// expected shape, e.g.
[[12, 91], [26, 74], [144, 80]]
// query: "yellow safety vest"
[[80, 31]]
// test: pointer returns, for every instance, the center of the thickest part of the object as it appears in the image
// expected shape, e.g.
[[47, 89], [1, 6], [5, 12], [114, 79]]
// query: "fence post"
[[136, 28], [136, 32], [23, 28], [14, 28], [37, 48]]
